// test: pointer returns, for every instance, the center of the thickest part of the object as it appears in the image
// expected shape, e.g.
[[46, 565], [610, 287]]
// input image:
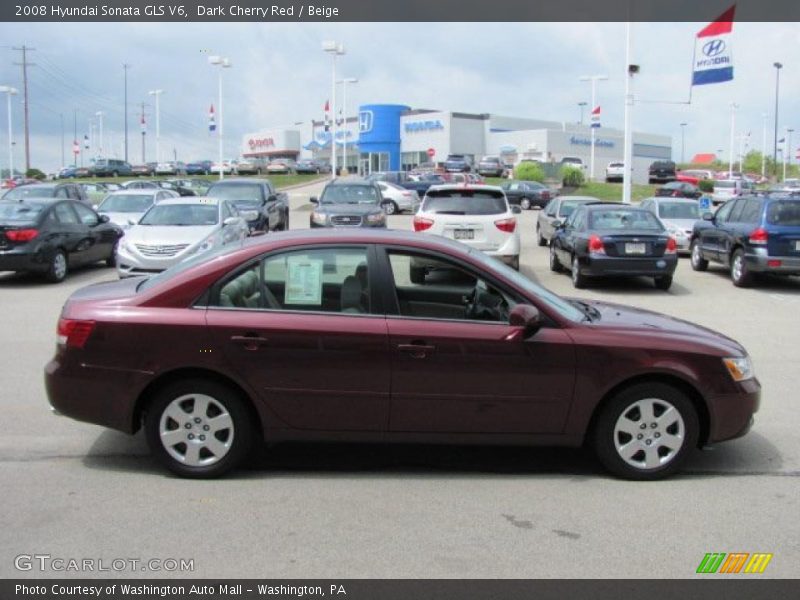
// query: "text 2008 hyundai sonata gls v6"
[[323, 335]]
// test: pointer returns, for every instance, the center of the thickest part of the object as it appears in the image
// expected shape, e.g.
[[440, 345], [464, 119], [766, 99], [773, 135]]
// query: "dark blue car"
[[199, 167], [750, 235]]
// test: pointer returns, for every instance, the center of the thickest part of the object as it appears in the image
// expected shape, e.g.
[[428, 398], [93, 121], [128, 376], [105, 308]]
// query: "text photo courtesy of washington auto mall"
[[377, 300]]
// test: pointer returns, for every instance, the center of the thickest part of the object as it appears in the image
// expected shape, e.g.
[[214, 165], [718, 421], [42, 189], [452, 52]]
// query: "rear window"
[[725, 184], [465, 202], [126, 203], [181, 215], [238, 191], [19, 211], [620, 219], [679, 210], [784, 212], [29, 191]]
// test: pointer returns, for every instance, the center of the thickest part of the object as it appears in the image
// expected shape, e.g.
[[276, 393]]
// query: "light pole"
[[125, 68], [334, 49], [344, 83], [787, 149], [778, 66], [222, 63], [683, 139], [734, 106], [627, 159], [157, 94], [9, 91], [99, 115], [593, 79], [764, 145], [581, 105]]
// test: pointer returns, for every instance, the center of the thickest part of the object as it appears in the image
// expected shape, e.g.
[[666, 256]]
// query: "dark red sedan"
[[322, 335]]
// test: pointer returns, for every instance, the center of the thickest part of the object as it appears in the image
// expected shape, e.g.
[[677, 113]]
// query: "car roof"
[[240, 181], [444, 187], [600, 205], [580, 198], [136, 192], [671, 199], [350, 181], [190, 200], [42, 186]]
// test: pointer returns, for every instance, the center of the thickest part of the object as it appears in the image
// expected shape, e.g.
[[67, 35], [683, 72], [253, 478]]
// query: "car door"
[[547, 217], [74, 242], [458, 366], [567, 238], [273, 206], [302, 328], [711, 237], [98, 237], [726, 230]]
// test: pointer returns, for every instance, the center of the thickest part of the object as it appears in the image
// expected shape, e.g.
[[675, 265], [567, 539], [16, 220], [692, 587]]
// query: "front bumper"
[[613, 266], [132, 265], [732, 414]]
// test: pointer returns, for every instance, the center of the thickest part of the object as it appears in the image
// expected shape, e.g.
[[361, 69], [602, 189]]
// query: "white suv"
[[476, 215], [615, 171]]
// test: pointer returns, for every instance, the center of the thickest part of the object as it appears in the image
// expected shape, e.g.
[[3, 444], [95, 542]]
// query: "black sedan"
[[609, 239], [679, 189], [51, 236], [527, 194]]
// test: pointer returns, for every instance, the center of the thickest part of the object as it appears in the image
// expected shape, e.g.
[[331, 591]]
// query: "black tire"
[[235, 441], [539, 238], [514, 264], [555, 265], [111, 261], [664, 282], [114, 174], [525, 203], [578, 278], [698, 262], [740, 274], [416, 274], [390, 207], [605, 437], [58, 267]]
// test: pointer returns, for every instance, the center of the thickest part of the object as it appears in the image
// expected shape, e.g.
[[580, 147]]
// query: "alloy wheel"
[[196, 430], [649, 434]]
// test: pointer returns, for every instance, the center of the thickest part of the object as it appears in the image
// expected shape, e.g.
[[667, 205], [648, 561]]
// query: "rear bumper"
[[607, 266], [760, 263], [13, 260]]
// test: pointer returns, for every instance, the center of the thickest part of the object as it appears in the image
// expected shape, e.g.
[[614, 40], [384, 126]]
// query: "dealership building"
[[391, 137]]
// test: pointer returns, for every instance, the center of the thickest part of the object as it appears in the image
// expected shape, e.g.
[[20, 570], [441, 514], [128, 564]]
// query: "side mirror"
[[104, 218], [313, 200], [527, 317], [248, 215], [558, 224], [131, 221], [516, 210], [708, 216], [272, 198], [230, 221]]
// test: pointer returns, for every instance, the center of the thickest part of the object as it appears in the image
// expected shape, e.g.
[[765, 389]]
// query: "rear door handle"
[[250, 342], [416, 350]]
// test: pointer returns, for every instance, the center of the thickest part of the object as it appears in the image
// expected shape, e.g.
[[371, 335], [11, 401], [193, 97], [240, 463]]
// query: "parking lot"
[[78, 491]]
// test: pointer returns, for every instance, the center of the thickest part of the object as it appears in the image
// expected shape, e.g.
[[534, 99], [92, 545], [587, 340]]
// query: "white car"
[[476, 215], [397, 198], [725, 189], [175, 229], [227, 167], [126, 207], [615, 171], [678, 215]]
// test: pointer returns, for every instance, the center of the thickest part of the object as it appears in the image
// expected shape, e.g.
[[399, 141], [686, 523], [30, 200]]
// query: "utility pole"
[[25, 64], [125, 68], [63, 164]]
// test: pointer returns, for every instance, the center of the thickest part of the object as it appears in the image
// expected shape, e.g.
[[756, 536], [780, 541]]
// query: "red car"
[[321, 335]]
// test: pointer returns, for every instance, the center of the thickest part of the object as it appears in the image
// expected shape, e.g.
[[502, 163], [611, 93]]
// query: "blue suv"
[[750, 235]]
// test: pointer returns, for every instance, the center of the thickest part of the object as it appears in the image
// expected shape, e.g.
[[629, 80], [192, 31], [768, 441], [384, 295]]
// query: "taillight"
[[596, 245], [759, 237], [421, 223], [74, 333], [675, 194], [672, 246], [507, 225], [22, 235], [545, 195]]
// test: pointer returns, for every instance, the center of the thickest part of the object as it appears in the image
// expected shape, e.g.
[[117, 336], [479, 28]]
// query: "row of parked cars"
[[244, 166]]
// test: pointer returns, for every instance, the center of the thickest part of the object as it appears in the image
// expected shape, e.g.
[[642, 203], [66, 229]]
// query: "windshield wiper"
[[589, 311]]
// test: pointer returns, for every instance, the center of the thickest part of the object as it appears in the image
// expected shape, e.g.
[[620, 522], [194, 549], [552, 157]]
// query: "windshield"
[[725, 184], [557, 303], [570, 205], [784, 212], [25, 191], [621, 219], [126, 203], [464, 202], [20, 211], [679, 210], [350, 194], [181, 215], [250, 192]]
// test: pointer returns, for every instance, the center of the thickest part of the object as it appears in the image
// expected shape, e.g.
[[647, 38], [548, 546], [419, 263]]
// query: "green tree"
[[529, 171], [571, 176], [35, 174]]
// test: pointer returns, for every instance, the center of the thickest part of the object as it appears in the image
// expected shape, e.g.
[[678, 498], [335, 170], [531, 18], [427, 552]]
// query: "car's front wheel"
[[199, 428], [525, 204], [555, 264], [390, 207], [646, 431], [539, 237]]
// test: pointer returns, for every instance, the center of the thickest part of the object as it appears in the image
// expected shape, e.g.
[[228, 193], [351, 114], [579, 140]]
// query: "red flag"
[[327, 106], [723, 24]]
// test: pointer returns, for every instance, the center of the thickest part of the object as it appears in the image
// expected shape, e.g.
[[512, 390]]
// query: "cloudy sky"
[[281, 76]]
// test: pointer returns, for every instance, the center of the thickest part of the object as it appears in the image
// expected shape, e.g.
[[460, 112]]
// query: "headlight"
[[740, 368], [319, 218], [376, 218]]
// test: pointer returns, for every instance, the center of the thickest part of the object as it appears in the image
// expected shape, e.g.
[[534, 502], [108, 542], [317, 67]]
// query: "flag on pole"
[[327, 120], [76, 147], [86, 141], [713, 61], [144, 125], [212, 125], [595, 117], [782, 140]]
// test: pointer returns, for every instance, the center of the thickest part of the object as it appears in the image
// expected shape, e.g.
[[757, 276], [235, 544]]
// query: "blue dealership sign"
[[598, 143]]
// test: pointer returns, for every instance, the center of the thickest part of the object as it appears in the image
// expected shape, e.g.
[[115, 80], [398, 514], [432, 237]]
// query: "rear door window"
[[65, 214], [751, 213]]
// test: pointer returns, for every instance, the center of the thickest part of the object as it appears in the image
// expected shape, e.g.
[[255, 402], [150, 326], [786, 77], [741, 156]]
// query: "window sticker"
[[303, 281]]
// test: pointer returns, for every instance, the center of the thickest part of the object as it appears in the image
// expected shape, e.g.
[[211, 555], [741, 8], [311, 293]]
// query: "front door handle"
[[416, 350], [250, 342]]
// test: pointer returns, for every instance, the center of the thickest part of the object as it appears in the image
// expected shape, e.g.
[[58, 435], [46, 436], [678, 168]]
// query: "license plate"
[[797, 246], [463, 234], [634, 248]]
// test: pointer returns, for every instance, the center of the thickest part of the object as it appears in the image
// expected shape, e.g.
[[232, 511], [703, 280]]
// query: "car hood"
[[121, 218], [168, 235], [638, 321], [684, 224], [348, 209]]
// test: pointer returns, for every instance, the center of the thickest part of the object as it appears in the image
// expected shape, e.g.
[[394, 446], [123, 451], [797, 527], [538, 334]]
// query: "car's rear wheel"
[[199, 428], [646, 431], [555, 264], [539, 237], [390, 207], [698, 262], [57, 271], [525, 204], [740, 274], [664, 282], [578, 278]]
